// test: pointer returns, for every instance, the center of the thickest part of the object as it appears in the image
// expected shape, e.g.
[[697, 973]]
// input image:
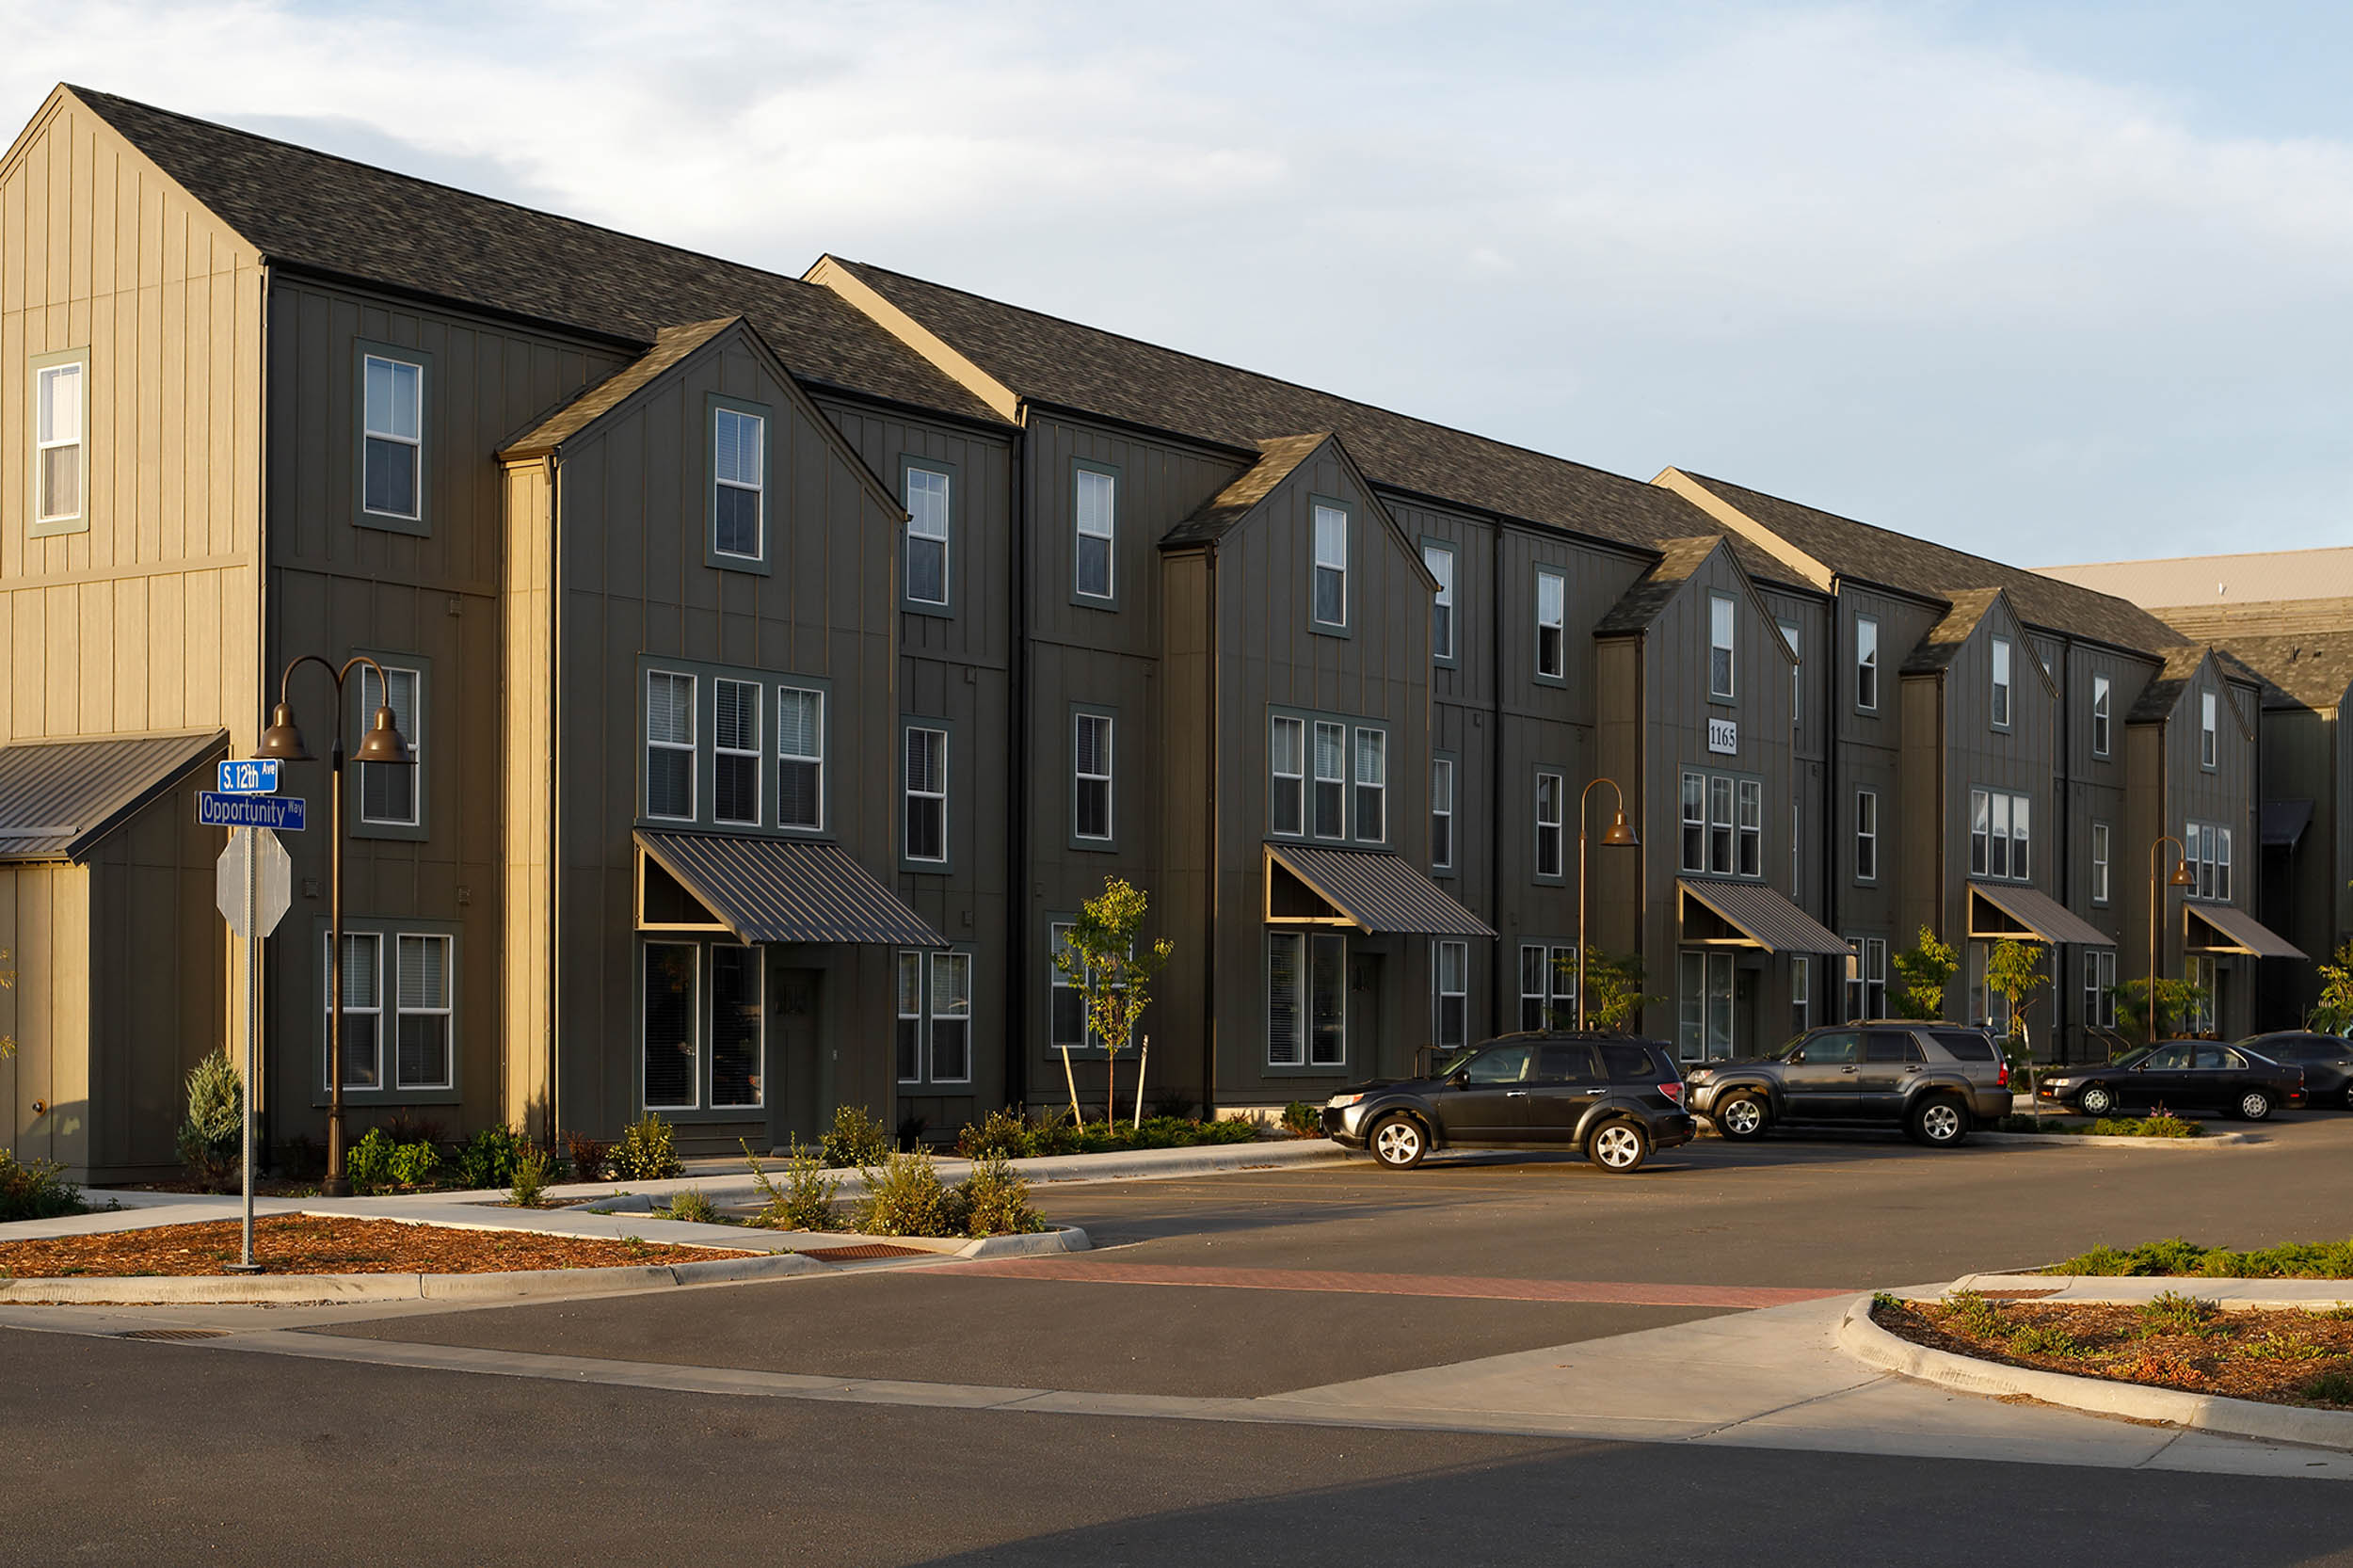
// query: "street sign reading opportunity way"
[[284, 813]]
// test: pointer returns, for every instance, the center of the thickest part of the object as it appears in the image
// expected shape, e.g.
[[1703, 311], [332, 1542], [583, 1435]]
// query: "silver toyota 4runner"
[[1934, 1081]]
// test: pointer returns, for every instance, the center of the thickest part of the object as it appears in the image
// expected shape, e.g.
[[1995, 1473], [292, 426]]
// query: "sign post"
[[254, 885]]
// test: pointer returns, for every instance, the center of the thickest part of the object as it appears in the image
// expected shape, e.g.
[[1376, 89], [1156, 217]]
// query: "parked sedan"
[[2327, 1060], [1614, 1098], [2181, 1075]]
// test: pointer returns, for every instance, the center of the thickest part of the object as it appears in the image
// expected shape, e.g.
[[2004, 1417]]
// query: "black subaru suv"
[[1615, 1098]]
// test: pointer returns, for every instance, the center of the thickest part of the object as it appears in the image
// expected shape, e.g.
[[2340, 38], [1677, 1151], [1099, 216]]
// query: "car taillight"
[[1673, 1090], [2001, 1076]]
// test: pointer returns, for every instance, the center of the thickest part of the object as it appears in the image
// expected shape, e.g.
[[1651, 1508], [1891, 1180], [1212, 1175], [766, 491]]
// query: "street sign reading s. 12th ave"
[[282, 813], [252, 776]]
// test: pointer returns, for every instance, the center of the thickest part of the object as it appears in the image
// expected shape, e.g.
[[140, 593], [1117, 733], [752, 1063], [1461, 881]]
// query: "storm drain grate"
[[172, 1334], [861, 1252]]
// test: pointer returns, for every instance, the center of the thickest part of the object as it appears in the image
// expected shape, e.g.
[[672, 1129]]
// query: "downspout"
[[1020, 977], [556, 747], [2066, 861], [1209, 961], [1834, 717], [1496, 973], [262, 1131]]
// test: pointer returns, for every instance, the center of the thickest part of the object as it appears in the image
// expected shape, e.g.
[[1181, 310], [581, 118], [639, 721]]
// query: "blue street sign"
[[282, 813], [254, 776]]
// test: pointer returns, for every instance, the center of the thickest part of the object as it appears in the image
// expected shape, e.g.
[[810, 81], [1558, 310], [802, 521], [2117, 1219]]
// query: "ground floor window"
[[1703, 1004], [1866, 979], [699, 1052], [1800, 993], [934, 1044], [1450, 995], [2100, 987], [396, 992], [1306, 1000], [2206, 975], [1548, 986]]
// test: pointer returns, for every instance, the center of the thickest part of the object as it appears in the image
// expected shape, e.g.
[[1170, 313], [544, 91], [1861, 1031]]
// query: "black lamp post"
[[2181, 878], [1620, 834], [382, 744]]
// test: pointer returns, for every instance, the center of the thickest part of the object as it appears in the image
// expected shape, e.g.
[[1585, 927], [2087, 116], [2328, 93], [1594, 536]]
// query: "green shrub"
[[1972, 1314], [34, 1191], [2175, 1257], [1301, 1120], [489, 1159], [857, 1139], [2103, 1260], [1058, 1134], [588, 1156], [904, 1197], [2161, 1125], [1882, 1301], [2039, 1340], [1001, 1133], [368, 1163], [647, 1152], [528, 1179], [693, 1207], [2272, 1345], [214, 1133], [2172, 1312], [414, 1164], [997, 1200], [2334, 1386], [804, 1202]]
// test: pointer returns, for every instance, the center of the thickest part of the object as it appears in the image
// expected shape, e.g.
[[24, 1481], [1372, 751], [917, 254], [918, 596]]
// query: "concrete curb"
[[1872, 1345], [2093, 1140], [2283, 1295], [230, 1290]]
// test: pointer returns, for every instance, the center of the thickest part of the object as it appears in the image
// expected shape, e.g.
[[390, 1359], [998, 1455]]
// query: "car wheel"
[[1939, 1122], [1619, 1148], [2254, 1105], [1400, 1142], [2097, 1101], [1742, 1117]]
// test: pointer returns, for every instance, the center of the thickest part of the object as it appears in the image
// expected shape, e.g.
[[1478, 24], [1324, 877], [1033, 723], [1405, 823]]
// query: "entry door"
[[1366, 1042], [796, 1052]]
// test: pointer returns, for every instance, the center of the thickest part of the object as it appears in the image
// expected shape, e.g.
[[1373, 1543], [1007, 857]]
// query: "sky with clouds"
[[2054, 282]]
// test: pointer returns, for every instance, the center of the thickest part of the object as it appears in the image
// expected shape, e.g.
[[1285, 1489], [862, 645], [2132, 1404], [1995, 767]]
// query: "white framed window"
[[2100, 987], [421, 1054], [669, 745], [1331, 780], [1720, 849], [1999, 834], [60, 454], [1800, 993], [1095, 501], [1866, 979], [2205, 975], [1373, 784], [1720, 620], [1287, 761], [388, 790], [739, 476], [2206, 850], [362, 1006], [1066, 999], [2000, 697], [952, 1017], [1440, 560], [671, 996], [1752, 827], [800, 758], [1867, 835], [738, 1024], [1441, 813], [2208, 739], [2100, 704], [1704, 997], [1552, 621], [1548, 986], [1549, 820], [1791, 634], [1694, 822], [1306, 976], [928, 536], [1449, 994], [910, 1041], [927, 793], [1331, 573], [393, 439], [1091, 784], [735, 796], [2099, 862], [1867, 663]]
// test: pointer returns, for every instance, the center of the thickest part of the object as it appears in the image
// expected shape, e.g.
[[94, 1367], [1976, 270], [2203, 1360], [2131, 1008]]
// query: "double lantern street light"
[[382, 744], [1620, 834], [2182, 878]]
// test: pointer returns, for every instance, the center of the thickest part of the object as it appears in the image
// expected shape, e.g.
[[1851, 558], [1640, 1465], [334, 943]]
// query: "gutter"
[[1497, 973]]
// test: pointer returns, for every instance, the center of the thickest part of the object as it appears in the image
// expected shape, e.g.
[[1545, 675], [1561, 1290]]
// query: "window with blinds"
[[671, 746], [800, 758], [388, 794]]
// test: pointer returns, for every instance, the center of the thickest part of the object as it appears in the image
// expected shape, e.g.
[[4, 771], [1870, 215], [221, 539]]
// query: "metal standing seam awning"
[[2028, 913], [787, 890], [1759, 916], [60, 798], [2238, 931], [1373, 890], [2282, 821]]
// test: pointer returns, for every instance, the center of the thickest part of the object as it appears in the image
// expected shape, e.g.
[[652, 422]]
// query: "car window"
[[2222, 1057], [1566, 1063], [1627, 1063], [1882, 1046], [1503, 1065], [1830, 1049], [1964, 1045], [2167, 1058]]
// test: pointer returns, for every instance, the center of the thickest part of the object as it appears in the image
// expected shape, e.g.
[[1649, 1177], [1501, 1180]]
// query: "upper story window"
[[1696, 821], [1752, 827], [1999, 834], [1331, 777], [1867, 835], [1286, 752], [1797, 668], [388, 790], [669, 745], [926, 787], [1373, 784], [61, 459], [393, 437], [2000, 700], [2099, 862], [2208, 741], [1720, 656], [1549, 820], [927, 537], [1091, 783], [1867, 663], [1094, 500], [800, 758], [1552, 614], [2100, 702], [735, 752], [1330, 581], [1440, 560], [2206, 850], [739, 477], [1441, 813]]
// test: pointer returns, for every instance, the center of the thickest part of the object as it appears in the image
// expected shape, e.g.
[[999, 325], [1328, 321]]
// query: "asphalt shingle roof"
[[1641, 604], [1221, 511], [2305, 670], [334, 215]]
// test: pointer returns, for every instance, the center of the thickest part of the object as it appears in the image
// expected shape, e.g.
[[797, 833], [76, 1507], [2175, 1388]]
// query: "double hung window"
[[1720, 620], [59, 466], [800, 758], [2100, 987], [388, 790], [363, 1009], [1800, 993], [1723, 824], [422, 1058], [1331, 568], [739, 471], [397, 992], [1999, 834], [2208, 743], [695, 1059], [2206, 850], [1549, 820], [735, 751], [1548, 986], [1450, 988], [1552, 612], [2099, 862], [669, 745], [1090, 799], [1442, 813], [2099, 706], [1440, 560], [926, 785], [1797, 669], [1286, 753], [1867, 663], [1720, 824], [1331, 780], [927, 564], [392, 439], [934, 1017], [1696, 821], [1373, 784], [1752, 827], [1867, 835], [1306, 1000], [1866, 979], [1095, 502], [2000, 695]]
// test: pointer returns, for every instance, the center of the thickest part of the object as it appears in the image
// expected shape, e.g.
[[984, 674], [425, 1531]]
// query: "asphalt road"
[[170, 1453]]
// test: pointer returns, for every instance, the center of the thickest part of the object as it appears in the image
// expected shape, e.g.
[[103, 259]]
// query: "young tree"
[[2015, 972], [2176, 998], [2334, 1010], [1925, 972], [1115, 974], [1613, 990]]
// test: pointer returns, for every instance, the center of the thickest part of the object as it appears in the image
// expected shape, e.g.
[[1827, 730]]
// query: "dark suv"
[[1934, 1081], [1615, 1098]]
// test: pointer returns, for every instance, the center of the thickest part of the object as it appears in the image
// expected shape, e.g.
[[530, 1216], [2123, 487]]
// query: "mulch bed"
[[314, 1244], [2277, 1355]]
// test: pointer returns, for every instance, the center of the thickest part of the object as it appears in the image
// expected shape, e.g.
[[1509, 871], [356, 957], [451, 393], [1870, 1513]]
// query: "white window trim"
[[327, 1006], [1295, 781], [1080, 778], [412, 733], [934, 1018], [2004, 809], [690, 745], [1443, 599], [1691, 862], [446, 1011], [1447, 863], [1303, 1001], [1558, 623], [1555, 990], [945, 536], [1555, 827], [1320, 565], [1439, 994], [1748, 835], [753, 751], [1800, 993], [1726, 640], [1108, 533], [415, 443], [2209, 732], [1866, 660], [904, 1017], [45, 521], [2101, 704], [1794, 634], [1315, 771], [1866, 832], [2004, 663], [757, 486], [2101, 838], [1377, 786], [816, 759], [911, 792], [694, 1023]]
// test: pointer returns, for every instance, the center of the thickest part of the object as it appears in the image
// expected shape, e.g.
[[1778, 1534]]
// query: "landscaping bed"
[[2274, 1355], [320, 1244], [2159, 1126], [2177, 1257]]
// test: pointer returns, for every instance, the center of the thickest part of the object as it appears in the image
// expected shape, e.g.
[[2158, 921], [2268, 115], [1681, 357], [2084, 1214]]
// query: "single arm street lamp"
[[2181, 878], [1620, 834], [382, 744]]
